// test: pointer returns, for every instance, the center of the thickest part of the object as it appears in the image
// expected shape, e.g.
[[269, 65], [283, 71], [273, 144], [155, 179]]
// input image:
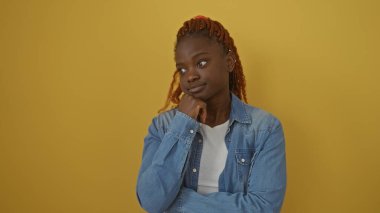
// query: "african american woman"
[[211, 151]]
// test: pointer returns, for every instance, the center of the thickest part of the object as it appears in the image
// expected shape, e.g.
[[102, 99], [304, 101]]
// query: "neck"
[[218, 112]]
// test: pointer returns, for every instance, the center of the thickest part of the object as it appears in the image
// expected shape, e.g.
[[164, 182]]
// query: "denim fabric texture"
[[254, 177]]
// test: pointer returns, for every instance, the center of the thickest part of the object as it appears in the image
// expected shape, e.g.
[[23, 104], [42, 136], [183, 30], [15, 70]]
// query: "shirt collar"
[[238, 111]]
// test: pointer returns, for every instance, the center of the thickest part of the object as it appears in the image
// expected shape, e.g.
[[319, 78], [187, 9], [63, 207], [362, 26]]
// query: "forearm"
[[159, 184], [164, 160], [256, 202]]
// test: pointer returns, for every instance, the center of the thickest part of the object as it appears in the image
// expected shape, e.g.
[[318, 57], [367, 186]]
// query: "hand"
[[193, 107]]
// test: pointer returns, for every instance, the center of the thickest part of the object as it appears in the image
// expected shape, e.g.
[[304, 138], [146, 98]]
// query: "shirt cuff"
[[184, 127]]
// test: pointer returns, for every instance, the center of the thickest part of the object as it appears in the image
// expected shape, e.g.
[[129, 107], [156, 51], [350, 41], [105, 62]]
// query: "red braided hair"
[[205, 26]]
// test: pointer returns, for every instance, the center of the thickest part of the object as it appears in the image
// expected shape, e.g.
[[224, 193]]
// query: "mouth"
[[196, 89]]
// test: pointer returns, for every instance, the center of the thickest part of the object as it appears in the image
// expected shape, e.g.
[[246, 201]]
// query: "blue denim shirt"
[[254, 177]]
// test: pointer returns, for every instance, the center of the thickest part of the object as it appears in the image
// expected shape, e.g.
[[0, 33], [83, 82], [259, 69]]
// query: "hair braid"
[[213, 29]]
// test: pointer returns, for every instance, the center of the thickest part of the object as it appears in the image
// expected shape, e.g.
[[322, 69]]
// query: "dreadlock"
[[205, 26]]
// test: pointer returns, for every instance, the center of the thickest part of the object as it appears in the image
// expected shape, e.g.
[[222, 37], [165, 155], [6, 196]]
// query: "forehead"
[[191, 45]]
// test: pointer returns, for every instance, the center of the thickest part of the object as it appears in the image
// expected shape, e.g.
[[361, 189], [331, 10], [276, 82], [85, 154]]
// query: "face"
[[203, 67]]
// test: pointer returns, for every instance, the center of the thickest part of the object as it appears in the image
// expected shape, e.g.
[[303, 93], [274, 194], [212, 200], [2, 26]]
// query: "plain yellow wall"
[[81, 80]]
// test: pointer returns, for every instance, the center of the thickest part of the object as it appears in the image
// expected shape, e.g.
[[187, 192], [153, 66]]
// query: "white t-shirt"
[[213, 159]]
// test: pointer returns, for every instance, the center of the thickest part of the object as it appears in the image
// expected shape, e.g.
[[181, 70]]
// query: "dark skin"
[[204, 69]]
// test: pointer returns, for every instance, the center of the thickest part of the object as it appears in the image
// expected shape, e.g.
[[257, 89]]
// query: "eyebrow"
[[194, 56]]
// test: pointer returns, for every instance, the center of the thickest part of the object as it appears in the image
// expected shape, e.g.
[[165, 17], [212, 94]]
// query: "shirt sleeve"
[[164, 158], [266, 184]]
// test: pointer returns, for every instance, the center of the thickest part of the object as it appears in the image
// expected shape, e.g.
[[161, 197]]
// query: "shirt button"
[[191, 131], [243, 160], [200, 141], [194, 170]]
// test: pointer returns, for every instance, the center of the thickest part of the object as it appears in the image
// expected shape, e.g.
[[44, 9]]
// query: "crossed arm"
[[160, 189]]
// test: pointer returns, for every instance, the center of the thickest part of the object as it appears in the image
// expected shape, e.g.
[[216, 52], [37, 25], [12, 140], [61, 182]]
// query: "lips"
[[197, 88]]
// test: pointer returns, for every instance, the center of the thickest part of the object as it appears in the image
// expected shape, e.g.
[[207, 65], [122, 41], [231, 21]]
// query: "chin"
[[202, 97]]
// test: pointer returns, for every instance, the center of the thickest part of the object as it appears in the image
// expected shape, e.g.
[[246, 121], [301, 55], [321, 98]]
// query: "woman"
[[212, 152]]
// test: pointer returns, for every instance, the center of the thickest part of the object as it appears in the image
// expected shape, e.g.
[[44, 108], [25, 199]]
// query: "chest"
[[241, 145]]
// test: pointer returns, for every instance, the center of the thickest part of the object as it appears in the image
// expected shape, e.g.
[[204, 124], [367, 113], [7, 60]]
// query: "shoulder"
[[261, 119], [257, 119], [163, 119]]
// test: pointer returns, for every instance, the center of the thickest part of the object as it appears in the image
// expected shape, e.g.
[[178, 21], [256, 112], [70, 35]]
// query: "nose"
[[192, 75]]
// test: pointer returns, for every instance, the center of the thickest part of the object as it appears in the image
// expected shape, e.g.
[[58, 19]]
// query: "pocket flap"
[[244, 156]]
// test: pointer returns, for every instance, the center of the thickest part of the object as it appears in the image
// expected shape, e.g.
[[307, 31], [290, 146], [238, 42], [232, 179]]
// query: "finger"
[[198, 112], [204, 114]]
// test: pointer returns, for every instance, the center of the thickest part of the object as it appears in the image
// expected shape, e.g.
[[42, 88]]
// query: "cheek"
[[182, 84]]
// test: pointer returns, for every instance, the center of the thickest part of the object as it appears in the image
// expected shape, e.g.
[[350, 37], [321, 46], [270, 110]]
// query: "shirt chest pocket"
[[243, 158]]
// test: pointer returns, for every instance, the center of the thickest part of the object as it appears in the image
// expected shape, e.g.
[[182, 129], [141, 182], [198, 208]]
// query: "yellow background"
[[81, 80]]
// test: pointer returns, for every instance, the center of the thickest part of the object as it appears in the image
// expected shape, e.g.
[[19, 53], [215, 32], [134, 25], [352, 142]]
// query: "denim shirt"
[[254, 176]]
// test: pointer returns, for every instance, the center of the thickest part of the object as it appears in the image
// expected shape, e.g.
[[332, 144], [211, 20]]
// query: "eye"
[[181, 70], [202, 64]]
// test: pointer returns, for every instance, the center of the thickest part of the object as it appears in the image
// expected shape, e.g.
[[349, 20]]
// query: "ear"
[[231, 60]]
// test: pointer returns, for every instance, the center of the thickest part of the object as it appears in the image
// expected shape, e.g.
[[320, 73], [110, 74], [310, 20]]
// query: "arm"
[[266, 184], [164, 158]]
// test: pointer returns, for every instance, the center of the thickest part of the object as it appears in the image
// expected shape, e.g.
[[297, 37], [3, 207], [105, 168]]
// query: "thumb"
[[203, 115]]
